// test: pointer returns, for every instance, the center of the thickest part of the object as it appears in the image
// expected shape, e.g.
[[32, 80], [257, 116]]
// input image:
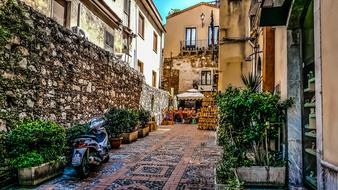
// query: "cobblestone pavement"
[[173, 157]]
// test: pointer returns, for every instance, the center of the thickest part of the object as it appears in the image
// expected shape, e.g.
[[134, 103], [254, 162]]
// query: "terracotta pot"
[[130, 137], [143, 132], [115, 143], [153, 126], [36, 175]]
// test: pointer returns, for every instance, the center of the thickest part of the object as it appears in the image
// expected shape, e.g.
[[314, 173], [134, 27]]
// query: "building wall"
[[145, 52], [89, 22], [176, 25], [325, 12], [281, 60], [234, 24]]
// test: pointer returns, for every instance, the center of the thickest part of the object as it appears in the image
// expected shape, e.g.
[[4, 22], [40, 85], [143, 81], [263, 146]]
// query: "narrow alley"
[[173, 157]]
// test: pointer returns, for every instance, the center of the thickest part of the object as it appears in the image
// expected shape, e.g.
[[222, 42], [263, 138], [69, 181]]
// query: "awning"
[[191, 94]]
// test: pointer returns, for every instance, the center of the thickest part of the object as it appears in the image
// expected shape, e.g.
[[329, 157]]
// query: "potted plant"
[[152, 124], [143, 117], [249, 131], [130, 120], [36, 150], [114, 127]]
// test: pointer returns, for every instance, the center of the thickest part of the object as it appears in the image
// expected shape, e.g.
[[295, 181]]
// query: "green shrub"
[[39, 139], [75, 131], [28, 160], [143, 117], [121, 121]]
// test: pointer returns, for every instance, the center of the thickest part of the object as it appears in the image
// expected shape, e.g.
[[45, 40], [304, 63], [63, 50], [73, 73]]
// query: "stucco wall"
[[329, 57], [89, 22], [145, 53], [176, 25], [234, 23]]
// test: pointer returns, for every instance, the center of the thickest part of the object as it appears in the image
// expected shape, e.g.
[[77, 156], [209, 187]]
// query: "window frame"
[[190, 37], [140, 66], [204, 80], [141, 31], [155, 42], [126, 7], [217, 35], [66, 6], [154, 78], [108, 45]]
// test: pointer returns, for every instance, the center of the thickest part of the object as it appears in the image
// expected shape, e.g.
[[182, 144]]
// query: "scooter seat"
[[88, 136]]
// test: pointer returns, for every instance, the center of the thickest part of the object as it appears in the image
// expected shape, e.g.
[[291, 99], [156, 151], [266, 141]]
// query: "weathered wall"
[[281, 60], [59, 76], [154, 100], [176, 25], [234, 23], [89, 22], [189, 68]]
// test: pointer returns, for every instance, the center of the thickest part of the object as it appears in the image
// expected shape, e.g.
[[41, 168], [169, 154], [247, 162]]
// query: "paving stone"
[[173, 157]]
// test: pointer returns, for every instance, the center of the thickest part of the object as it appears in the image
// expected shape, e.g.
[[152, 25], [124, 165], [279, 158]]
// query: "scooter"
[[92, 149]]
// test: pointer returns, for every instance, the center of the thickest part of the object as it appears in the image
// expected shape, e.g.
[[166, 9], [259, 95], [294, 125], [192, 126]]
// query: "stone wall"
[[154, 100], [54, 74]]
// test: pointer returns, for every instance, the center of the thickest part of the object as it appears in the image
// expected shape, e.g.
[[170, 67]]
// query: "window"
[[155, 43], [140, 66], [154, 79], [216, 31], [126, 6], [190, 37], [141, 25], [60, 11], [206, 78], [108, 41]]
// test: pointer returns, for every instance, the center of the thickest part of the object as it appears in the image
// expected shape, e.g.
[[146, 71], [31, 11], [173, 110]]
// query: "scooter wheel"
[[83, 170]]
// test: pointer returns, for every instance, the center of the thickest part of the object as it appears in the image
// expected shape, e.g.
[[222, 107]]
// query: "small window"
[[141, 25], [154, 78], [108, 41], [60, 11], [155, 43], [216, 31], [206, 78], [140, 66]]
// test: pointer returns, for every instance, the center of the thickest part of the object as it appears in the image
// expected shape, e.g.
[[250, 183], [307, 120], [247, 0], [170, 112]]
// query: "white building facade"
[[143, 51]]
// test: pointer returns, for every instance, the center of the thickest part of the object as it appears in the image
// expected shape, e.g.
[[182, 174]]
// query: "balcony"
[[198, 46]]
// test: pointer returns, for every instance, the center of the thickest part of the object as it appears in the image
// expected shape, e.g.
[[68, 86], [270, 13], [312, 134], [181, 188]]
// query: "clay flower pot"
[[130, 137], [143, 132], [115, 143]]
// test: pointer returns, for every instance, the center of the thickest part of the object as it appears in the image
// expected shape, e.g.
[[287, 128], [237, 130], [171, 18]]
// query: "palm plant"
[[252, 82]]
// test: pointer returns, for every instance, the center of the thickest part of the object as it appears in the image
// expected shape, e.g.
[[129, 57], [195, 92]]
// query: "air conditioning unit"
[[80, 32]]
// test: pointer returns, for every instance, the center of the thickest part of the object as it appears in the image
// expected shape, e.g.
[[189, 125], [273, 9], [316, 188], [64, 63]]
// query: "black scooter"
[[92, 149]]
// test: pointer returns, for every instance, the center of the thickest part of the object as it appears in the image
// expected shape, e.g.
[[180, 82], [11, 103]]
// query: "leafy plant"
[[252, 82], [143, 117], [121, 121], [43, 140], [249, 120]]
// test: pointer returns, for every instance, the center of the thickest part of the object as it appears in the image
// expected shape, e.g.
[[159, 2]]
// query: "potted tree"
[[143, 117], [130, 119], [152, 124], [36, 150], [114, 127]]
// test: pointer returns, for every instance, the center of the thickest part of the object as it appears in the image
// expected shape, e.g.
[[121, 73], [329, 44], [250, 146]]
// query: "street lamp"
[[202, 19]]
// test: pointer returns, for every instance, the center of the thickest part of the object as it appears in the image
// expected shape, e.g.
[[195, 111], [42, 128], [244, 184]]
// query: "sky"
[[164, 6]]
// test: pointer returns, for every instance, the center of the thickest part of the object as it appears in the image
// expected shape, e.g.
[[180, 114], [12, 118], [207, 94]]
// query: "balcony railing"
[[198, 46]]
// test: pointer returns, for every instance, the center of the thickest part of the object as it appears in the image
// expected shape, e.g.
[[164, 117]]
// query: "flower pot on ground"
[[143, 117], [143, 132], [35, 175], [152, 125], [255, 175], [130, 137], [35, 148], [116, 142]]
